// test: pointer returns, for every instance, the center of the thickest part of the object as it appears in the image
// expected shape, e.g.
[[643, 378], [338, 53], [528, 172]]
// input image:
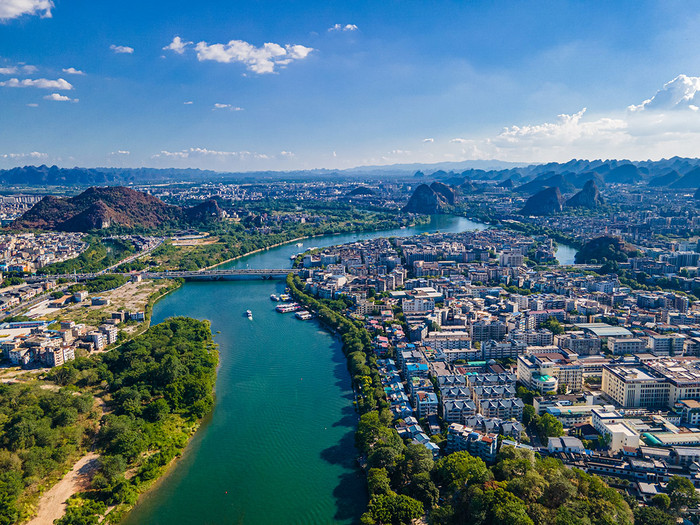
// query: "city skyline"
[[269, 86]]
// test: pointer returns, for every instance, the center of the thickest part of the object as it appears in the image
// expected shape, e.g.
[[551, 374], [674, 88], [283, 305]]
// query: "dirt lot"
[[130, 297]]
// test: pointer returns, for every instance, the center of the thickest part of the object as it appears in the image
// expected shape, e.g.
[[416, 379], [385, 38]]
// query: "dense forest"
[[155, 388]]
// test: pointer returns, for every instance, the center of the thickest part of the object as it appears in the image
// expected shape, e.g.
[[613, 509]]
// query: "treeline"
[[157, 386], [41, 432]]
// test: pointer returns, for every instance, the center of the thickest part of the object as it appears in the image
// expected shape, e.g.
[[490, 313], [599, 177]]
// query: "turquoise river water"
[[278, 446]]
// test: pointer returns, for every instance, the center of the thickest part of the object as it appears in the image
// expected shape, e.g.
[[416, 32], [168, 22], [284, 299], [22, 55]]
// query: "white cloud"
[[177, 45], [263, 59], [429, 140], [33, 105], [204, 152], [10, 9], [188, 102], [73, 71], [60, 98], [227, 106], [458, 140], [42, 83], [287, 154], [683, 92], [568, 128], [121, 49], [341, 27], [16, 70], [121, 152], [32, 155]]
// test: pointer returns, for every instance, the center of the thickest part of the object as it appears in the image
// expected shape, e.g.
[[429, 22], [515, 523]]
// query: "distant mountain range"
[[106, 207], [675, 173]]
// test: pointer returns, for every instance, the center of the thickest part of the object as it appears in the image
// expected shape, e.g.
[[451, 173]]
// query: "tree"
[[553, 325], [378, 481], [549, 426], [392, 509], [652, 516], [661, 501], [681, 493], [460, 469], [529, 414], [492, 505]]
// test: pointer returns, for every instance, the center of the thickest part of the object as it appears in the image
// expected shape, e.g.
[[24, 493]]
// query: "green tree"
[[392, 509], [553, 325], [652, 516], [460, 469], [529, 414], [681, 492], [549, 426]]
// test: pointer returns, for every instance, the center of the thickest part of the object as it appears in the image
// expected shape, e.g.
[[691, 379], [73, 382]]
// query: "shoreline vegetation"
[[152, 393]]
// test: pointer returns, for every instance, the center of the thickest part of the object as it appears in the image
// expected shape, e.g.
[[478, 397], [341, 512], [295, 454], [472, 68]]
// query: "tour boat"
[[274, 297], [249, 314]]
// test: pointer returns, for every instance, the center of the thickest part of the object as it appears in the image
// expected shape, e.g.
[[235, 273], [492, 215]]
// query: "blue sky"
[[303, 84]]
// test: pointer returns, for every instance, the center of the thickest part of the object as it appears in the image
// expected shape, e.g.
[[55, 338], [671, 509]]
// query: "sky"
[[286, 85]]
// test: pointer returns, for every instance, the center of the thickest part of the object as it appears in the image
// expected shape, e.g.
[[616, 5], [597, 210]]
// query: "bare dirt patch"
[[52, 503]]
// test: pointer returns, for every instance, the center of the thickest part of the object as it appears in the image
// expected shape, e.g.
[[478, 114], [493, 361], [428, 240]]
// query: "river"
[[278, 446]]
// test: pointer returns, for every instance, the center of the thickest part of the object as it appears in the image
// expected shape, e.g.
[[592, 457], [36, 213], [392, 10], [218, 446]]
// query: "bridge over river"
[[243, 274], [232, 274]]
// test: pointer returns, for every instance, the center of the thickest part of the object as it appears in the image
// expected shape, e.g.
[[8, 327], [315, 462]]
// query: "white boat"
[[249, 314], [303, 315], [274, 297], [300, 244], [287, 307], [292, 257], [285, 297]]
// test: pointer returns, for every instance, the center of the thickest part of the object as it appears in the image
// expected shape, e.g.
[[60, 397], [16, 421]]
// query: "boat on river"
[[303, 315], [287, 307], [274, 297], [249, 314]]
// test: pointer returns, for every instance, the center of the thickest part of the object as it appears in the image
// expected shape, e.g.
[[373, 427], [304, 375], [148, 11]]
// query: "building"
[[484, 446], [635, 386], [565, 444], [627, 345], [545, 372]]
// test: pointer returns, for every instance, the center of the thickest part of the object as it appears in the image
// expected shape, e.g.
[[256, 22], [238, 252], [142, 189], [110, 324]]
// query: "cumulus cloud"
[[567, 128], [458, 140], [204, 152], [121, 49], [429, 140], [260, 60], [341, 27], [16, 70], [60, 98], [31, 155], [286, 154], [683, 92], [42, 83], [227, 106], [10, 9], [177, 45], [73, 71], [121, 152]]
